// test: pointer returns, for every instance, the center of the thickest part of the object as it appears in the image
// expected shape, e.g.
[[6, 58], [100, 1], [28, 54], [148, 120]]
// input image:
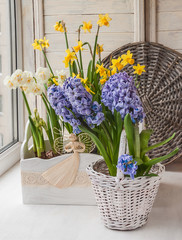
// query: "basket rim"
[[126, 180]]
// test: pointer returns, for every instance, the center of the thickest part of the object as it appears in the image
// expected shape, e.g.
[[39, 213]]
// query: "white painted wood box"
[[36, 190]]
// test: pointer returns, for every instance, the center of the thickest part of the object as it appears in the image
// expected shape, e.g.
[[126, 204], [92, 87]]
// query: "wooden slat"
[[169, 21], [58, 7], [110, 41], [169, 5], [171, 39], [119, 23]]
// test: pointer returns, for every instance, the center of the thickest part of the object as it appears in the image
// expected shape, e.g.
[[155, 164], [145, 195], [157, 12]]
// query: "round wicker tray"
[[160, 92]]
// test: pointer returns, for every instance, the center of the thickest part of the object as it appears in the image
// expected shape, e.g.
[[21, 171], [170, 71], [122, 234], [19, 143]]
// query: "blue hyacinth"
[[127, 165], [73, 103], [120, 93]]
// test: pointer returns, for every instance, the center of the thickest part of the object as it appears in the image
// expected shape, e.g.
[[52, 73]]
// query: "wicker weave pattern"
[[160, 92], [123, 205]]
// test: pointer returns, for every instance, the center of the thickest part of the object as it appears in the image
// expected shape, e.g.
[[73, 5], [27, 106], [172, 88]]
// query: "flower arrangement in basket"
[[102, 104]]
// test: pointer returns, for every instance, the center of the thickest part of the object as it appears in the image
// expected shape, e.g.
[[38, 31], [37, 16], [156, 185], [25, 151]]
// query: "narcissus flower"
[[36, 44], [100, 69], [116, 63], [99, 48], [104, 20], [87, 26], [103, 80], [36, 89], [43, 75], [88, 89], [78, 47], [69, 58], [139, 69], [55, 81], [62, 75], [44, 43], [8, 83], [127, 58], [58, 27]]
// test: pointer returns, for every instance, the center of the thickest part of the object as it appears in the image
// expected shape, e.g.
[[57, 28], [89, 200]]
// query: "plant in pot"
[[104, 105]]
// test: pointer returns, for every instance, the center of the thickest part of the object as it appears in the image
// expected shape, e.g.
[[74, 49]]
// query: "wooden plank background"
[[169, 23], [120, 32]]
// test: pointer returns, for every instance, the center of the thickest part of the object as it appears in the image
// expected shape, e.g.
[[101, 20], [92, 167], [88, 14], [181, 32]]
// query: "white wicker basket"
[[125, 204]]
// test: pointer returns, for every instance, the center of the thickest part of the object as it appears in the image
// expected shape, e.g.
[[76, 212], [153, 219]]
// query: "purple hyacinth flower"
[[127, 165]]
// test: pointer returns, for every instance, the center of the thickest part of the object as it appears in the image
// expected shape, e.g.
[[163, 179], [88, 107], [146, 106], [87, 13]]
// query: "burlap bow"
[[63, 174]]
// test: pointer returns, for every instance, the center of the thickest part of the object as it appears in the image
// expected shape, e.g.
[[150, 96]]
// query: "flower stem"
[[94, 54], [80, 53], [26, 103], [47, 62], [137, 141]]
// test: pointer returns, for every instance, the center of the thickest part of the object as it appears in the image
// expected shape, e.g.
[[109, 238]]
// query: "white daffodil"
[[62, 75], [18, 78], [28, 78], [8, 83], [42, 75], [35, 88]]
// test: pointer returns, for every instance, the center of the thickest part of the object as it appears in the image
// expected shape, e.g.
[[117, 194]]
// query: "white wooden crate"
[[36, 190]]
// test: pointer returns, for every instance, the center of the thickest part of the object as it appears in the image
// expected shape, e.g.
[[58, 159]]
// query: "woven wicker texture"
[[160, 92], [125, 204]]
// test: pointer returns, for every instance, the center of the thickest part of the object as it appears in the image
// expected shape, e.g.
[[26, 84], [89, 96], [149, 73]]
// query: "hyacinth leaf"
[[129, 129], [160, 159], [117, 136], [89, 71], [101, 149], [144, 139], [139, 161], [157, 145], [35, 136], [74, 67]]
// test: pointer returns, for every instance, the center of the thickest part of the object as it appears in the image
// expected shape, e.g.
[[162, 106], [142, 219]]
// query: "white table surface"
[[53, 222]]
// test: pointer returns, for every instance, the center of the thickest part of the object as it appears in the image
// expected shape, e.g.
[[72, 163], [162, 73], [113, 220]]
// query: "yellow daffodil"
[[100, 69], [84, 80], [99, 48], [88, 89], [78, 47], [44, 42], [74, 75], [69, 58], [58, 27], [116, 63], [87, 26], [127, 58], [139, 69], [36, 44], [55, 81], [102, 81], [114, 70], [104, 20]]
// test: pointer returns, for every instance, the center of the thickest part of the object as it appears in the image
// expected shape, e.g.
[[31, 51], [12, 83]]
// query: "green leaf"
[[160, 159], [89, 71], [144, 139], [138, 160], [100, 147], [129, 129], [74, 67], [157, 145]]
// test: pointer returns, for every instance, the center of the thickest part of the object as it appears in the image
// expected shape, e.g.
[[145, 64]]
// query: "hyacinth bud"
[[37, 117]]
